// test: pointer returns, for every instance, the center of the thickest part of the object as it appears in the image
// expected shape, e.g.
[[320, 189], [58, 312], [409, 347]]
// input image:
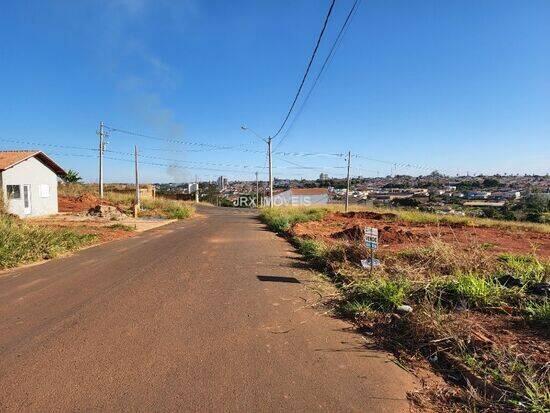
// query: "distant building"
[[323, 177], [222, 182], [301, 197], [477, 194], [506, 195], [484, 204], [28, 182]]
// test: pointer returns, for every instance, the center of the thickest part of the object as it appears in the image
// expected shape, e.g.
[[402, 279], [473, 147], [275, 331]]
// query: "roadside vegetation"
[[21, 243], [482, 320], [158, 207], [124, 201]]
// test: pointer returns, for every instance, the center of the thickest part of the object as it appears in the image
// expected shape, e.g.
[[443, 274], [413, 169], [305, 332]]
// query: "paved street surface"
[[176, 319]]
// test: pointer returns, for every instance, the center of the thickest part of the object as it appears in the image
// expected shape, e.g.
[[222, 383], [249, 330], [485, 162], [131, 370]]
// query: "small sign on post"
[[371, 242]]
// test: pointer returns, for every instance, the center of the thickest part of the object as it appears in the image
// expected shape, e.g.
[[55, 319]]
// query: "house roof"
[[309, 191], [9, 159]]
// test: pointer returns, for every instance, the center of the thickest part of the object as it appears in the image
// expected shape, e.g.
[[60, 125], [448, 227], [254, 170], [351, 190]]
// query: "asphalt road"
[[178, 319]]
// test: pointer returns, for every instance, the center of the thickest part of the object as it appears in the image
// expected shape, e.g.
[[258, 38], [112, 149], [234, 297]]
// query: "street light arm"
[[245, 128]]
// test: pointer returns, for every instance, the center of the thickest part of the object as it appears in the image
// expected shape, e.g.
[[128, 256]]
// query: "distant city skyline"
[[413, 87]]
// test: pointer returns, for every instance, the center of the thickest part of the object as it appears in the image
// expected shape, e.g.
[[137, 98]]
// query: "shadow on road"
[[278, 279]]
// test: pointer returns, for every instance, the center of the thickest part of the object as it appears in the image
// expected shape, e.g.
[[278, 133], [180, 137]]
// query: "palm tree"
[[72, 177]]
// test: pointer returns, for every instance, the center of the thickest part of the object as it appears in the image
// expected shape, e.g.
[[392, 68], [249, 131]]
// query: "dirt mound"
[[106, 211], [387, 235], [367, 215], [396, 234], [81, 203], [354, 233]]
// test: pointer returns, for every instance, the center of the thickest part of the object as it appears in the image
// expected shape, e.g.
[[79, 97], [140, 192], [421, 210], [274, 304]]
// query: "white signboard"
[[371, 237]]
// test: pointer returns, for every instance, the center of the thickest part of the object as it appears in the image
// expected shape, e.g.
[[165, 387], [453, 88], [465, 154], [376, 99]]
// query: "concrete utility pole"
[[257, 191], [197, 189], [101, 134], [270, 172], [138, 200], [348, 185], [268, 141]]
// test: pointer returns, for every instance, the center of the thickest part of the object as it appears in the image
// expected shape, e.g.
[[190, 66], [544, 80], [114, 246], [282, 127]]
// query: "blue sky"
[[454, 86]]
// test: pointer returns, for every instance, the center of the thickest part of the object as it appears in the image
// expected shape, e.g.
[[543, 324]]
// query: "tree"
[[490, 183], [72, 177]]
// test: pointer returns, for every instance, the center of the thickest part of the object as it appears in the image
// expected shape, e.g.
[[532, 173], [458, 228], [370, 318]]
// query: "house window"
[[14, 191], [44, 191]]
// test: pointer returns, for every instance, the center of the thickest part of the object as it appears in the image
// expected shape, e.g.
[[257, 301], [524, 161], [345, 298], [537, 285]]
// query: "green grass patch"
[[473, 290], [538, 313], [282, 219], [378, 294], [528, 268], [21, 243]]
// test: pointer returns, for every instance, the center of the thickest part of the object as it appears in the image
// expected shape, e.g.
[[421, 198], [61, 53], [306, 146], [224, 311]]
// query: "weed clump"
[[538, 313], [378, 294]]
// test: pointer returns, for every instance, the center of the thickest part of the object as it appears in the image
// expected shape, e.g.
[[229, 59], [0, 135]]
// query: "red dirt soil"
[[399, 235], [79, 204]]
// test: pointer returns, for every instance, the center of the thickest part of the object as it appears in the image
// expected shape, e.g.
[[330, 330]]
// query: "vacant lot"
[[465, 298], [396, 234], [34, 239]]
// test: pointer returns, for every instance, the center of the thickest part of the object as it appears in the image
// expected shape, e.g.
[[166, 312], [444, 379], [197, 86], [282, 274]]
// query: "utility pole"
[[347, 190], [257, 191], [101, 134], [138, 201], [270, 172], [197, 189], [268, 141]]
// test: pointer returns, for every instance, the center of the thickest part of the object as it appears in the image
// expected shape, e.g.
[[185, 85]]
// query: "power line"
[[295, 154], [148, 163], [308, 67], [326, 62], [180, 141]]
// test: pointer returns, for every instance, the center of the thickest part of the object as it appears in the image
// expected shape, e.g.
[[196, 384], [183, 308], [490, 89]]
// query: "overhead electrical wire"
[[181, 142], [326, 63], [319, 38], [296, 154]]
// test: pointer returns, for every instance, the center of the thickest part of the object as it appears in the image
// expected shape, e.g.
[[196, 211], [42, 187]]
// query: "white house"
[[302, 197], [28, 180]]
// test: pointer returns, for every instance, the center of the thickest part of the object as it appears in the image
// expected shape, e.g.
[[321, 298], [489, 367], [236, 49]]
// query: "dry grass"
[[22, 243], [158, 207], [412, 216], [442, 283]]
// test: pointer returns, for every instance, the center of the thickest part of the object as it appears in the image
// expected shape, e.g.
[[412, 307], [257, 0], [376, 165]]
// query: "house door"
[[26, 199]]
